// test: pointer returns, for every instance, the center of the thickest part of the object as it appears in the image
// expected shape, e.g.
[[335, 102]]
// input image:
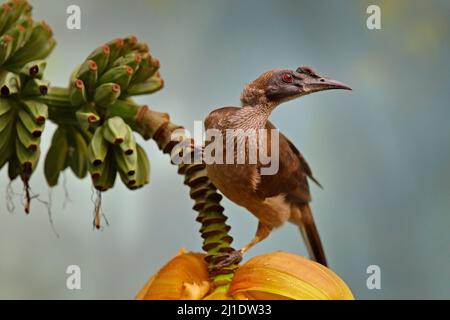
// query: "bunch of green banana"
[[69, 148], [21, 126], [113, 150], [24, 44], [109, 76], [115, 71]]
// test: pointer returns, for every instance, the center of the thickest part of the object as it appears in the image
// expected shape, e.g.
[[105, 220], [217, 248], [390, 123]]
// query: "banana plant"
[[97, 120]]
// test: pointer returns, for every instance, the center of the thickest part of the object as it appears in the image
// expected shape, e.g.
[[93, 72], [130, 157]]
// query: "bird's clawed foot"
[[227, 259]]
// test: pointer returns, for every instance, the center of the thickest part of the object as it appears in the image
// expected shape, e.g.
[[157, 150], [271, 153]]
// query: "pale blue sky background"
[[382, 152]]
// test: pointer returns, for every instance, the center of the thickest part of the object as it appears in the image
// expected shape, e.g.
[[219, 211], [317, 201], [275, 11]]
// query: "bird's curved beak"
[[313, 84]]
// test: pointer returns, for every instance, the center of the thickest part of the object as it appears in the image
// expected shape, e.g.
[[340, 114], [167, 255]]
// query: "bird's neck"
[[252, 116], [255, 111]]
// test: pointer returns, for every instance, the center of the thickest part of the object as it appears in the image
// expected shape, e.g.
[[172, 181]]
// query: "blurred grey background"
[[382, 152]]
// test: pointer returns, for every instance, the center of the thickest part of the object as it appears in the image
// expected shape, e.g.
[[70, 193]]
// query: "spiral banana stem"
[[214, 230]]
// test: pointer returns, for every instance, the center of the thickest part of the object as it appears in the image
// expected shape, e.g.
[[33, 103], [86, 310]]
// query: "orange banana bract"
[[272, 276]]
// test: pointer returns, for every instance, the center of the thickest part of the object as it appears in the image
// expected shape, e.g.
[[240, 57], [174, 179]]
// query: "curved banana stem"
[[157, 126]]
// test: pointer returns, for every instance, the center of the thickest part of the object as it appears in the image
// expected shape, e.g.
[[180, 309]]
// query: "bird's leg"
[[235, 256], [261, 233]]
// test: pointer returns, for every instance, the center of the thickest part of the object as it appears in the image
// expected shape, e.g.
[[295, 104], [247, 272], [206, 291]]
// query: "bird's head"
[[278, 86]]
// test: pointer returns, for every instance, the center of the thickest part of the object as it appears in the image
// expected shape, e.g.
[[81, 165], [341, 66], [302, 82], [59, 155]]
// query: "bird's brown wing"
[[292, 176], [292, 181]]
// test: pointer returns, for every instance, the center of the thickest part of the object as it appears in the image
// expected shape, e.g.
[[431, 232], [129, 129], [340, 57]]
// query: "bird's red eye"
[[287, 78]]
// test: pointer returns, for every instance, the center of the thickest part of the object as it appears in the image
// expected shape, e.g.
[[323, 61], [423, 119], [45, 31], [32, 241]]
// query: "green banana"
[[143, 168], [126, 164], [106, 94], [55, 161], [121, 75], [104, 176], [98, 148], [28, 160], [147, 68], [101, 57], [32, 53], [6, 47], [28, 23], [78, 150], [132, 59], [17, 33], [30, 142], [87, 135], [4, 12], [6, 151], [88, 73], [115, 130], [12, 11], [35, 87], [39, 45], [128, 145], [6, 119], [77, 93], [129, 44], [5, 106], [37, 110], [115, 48], [34, 69], [128, 181], [97, 171], [87, 116], [30, 124], [151, 85], [9, 83], [43, 51], [7, 136], [141, 47]]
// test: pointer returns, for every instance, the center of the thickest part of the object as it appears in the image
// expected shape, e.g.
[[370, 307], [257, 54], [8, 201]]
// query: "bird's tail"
[[311, 236]]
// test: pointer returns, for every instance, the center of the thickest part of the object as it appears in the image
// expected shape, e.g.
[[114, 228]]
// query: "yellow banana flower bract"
[[272, 276]]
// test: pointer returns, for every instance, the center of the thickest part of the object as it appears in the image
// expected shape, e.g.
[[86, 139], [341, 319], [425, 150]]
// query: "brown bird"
[[285, 195]]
